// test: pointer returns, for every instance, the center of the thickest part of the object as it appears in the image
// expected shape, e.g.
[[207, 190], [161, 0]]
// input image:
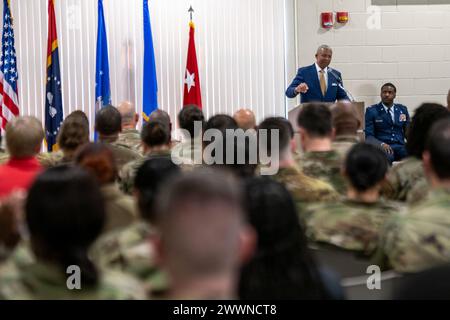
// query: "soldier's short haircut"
[[438, 145], [285, 132], [366, 165], [345, 119], [108, 121], [221, 122], [200, 216], [315, 118], [388, 84], [187, 116], [24, 136], [127, 111], [155, 133], [424, 117]]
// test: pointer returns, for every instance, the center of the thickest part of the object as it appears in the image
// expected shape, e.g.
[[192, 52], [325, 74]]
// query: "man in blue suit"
[[318, 82], [386, 124]]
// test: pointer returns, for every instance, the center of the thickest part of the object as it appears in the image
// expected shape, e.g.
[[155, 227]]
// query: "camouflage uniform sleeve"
[[126, 176], [418, 192], [391, 247]]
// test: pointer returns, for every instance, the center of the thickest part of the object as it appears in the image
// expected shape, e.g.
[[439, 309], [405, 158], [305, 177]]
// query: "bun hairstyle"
[[366, 166]]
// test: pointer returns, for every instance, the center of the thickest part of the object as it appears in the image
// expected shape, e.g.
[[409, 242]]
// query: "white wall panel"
[[240, 49]]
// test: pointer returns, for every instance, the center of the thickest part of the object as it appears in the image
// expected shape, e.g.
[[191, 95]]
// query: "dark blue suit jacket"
[[380, 128], [314, 94]]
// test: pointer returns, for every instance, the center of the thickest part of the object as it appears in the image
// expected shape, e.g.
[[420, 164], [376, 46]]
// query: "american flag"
[[9, 100]]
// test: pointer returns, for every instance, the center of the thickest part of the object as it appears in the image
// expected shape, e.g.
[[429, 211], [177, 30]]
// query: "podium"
[[359, 110]]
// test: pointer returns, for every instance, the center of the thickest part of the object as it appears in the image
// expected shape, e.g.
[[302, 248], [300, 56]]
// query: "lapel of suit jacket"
[[315, 76], [331, 80]]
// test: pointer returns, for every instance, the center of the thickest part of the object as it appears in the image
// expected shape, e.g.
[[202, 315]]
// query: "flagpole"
[[190, 12]]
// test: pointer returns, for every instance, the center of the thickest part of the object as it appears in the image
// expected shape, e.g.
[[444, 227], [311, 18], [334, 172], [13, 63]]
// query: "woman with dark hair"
[[406, 181], [98, 159], [282, 267], [354, 223], [132, 249], [65, 214], [73, 133]]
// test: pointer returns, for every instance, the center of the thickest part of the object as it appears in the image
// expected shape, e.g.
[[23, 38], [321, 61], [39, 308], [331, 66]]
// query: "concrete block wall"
[[410, 47]]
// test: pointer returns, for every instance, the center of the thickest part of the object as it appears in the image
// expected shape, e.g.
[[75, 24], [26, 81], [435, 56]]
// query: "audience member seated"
[[221, 132], [204, 239], [355, 222], [155, 137], [406, 180], [386, 124], [346, 124], [132, 250], [24, 136], [162, 116], [190, 150], [420, 239], [303, 189], [129, 135], [108, 124], [99, 160], [282, 266], [64, 214], [316, 134], [73, 134], [245, 119]]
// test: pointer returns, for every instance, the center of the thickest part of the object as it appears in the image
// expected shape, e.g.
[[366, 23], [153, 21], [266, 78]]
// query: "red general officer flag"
[[192, 92]]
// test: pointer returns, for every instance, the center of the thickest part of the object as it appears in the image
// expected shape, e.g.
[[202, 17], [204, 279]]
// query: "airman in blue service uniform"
[[386, 124]]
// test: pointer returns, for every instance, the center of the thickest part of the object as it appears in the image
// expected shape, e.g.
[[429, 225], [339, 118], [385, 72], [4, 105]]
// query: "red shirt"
[[18, 174]]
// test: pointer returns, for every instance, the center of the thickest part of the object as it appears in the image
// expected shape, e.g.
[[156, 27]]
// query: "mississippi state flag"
[[192, 92]]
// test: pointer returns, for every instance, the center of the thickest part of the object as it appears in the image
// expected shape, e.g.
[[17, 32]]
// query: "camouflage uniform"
[[419, 192], [189, 152], [342, 144], [420, 239], [132, 139], [39, 281], [349, 224], [128, 172], [122, 154], [304, 189], [120, 208], [131, 251], [403, 178], [326, 166]]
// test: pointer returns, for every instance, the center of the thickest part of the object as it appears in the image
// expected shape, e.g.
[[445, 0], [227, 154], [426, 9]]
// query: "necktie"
[[323, 84], [391, 113]]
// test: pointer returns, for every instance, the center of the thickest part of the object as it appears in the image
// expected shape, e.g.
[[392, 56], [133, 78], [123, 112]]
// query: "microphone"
[[335, 75], [341, 84]]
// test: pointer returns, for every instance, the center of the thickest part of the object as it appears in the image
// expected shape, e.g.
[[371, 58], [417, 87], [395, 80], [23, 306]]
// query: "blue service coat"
[[380, 128]]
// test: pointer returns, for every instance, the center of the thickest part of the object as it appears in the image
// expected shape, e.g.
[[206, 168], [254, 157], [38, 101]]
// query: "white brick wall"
[[411, 49]]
